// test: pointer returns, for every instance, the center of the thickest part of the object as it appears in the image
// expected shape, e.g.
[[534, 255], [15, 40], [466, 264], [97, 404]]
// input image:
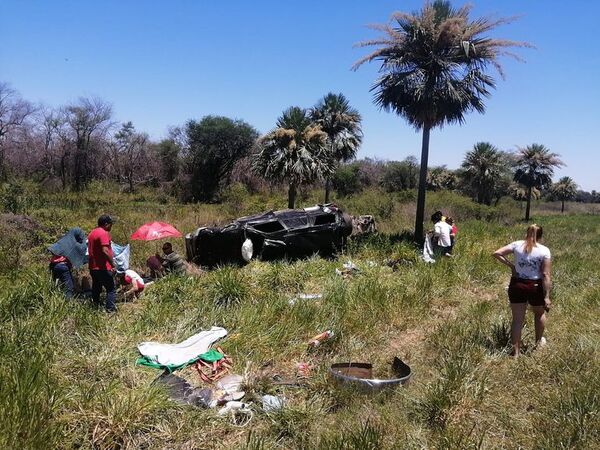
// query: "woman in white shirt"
[[530, 283]]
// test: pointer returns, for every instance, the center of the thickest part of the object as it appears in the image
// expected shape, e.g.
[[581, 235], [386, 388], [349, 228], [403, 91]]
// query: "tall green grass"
[[69, 381]]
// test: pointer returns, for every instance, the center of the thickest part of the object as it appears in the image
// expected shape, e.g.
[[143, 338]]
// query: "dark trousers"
[[104, 279], [62, 273]]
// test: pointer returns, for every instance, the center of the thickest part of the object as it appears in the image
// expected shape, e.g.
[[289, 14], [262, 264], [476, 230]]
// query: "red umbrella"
[[155, 230]]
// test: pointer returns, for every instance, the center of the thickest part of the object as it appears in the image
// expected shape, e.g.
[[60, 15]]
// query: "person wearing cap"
[[101, 262]]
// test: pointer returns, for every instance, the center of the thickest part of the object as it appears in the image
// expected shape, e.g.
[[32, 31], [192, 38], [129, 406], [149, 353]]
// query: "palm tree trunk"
[[528, 204], [562, 207], [422, 186], [291, 195], [327, 189]]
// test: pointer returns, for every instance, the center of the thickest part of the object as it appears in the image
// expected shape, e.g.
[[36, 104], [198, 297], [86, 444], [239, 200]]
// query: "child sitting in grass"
[[453, 231], [130, 278]]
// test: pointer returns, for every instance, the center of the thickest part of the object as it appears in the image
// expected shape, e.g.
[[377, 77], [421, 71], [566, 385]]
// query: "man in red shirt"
[[101, 262]]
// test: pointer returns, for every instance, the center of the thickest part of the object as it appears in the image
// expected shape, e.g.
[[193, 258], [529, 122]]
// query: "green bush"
[[346, 180]]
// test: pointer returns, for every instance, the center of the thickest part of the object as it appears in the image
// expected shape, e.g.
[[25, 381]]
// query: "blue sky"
[[161, 63]]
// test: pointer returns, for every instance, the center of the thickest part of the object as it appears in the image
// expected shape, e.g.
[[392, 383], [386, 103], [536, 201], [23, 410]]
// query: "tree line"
[[434, 67], [80, 142]]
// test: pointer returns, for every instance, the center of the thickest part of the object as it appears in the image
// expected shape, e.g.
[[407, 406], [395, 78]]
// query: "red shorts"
[[521, 290]]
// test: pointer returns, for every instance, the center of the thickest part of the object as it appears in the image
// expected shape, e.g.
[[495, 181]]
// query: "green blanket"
[[210, 357]]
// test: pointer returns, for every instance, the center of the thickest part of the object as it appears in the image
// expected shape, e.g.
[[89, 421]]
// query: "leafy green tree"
[[342, 124], [168, 152], [347, 180], [564, 189], [215, 144], [484, 172], [433, 71], [439, 178], [401, 175], [534, 167], [295, 152]]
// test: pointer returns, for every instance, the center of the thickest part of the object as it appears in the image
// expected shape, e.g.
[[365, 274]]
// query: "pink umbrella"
[[155, 230]]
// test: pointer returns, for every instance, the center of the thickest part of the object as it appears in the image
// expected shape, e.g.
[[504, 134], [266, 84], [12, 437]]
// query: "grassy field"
[[68, 378]]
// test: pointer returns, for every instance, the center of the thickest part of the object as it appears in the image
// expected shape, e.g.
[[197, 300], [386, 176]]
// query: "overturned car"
[[296, 233]]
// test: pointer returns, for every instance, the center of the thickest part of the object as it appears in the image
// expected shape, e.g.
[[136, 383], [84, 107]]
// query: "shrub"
[[13, 198], [346, 180]]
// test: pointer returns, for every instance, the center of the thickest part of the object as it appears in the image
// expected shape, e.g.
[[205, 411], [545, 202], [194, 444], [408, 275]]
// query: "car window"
[[268, 227], [324, 219]]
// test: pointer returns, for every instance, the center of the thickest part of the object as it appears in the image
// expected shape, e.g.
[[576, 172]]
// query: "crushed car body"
[[295, 233]]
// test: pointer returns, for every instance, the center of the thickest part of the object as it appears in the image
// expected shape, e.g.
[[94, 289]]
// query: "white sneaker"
[[541, 343]]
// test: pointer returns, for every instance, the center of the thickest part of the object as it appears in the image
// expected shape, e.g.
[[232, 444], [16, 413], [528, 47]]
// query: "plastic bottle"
[[316, 340]]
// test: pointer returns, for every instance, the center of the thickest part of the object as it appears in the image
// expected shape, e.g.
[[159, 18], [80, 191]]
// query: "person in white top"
[[530, 283], [134, 281], [442, 244]]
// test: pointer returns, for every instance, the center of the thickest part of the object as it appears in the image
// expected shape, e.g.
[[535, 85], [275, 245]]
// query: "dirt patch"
[[19, 223]]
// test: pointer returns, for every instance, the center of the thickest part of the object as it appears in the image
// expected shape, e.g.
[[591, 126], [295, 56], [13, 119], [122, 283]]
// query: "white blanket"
[[428, 249], [178, 354]]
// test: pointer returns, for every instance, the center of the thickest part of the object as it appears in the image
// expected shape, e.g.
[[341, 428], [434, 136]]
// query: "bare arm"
[[501, 255], [106, 251], [547, 280]]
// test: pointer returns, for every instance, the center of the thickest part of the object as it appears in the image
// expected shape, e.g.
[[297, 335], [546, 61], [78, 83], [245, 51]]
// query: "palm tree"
[[341, 123], [565, 189], [439, 178], [519, 193], [534, 167], [433, 70], [294, 152], [483, 171]]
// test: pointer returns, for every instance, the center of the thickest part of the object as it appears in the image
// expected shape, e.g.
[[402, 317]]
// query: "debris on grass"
[[272, 403], [316, 340], [361, 375], [295, 299]]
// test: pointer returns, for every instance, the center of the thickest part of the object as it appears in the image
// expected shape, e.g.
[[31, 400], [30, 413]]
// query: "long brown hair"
[[534, 234]]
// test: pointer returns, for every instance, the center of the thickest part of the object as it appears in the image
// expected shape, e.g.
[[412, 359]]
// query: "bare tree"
[[129, 151], [14, 111], [87, 118]]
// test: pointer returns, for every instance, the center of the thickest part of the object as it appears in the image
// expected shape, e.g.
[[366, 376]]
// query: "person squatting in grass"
[[442, 245], [68, 252], [101, 263], [132, 279], [453, 231], [530, 283], [171, 261]]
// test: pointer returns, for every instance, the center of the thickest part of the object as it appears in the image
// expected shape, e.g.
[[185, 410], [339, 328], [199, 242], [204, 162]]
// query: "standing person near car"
[[530, 283], [101, 263]]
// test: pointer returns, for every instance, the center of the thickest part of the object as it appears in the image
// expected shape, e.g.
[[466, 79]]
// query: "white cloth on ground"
[[428, 249], [178, 354]]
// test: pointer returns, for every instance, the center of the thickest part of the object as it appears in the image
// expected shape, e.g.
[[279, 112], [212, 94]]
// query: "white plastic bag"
[[247, 250]]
